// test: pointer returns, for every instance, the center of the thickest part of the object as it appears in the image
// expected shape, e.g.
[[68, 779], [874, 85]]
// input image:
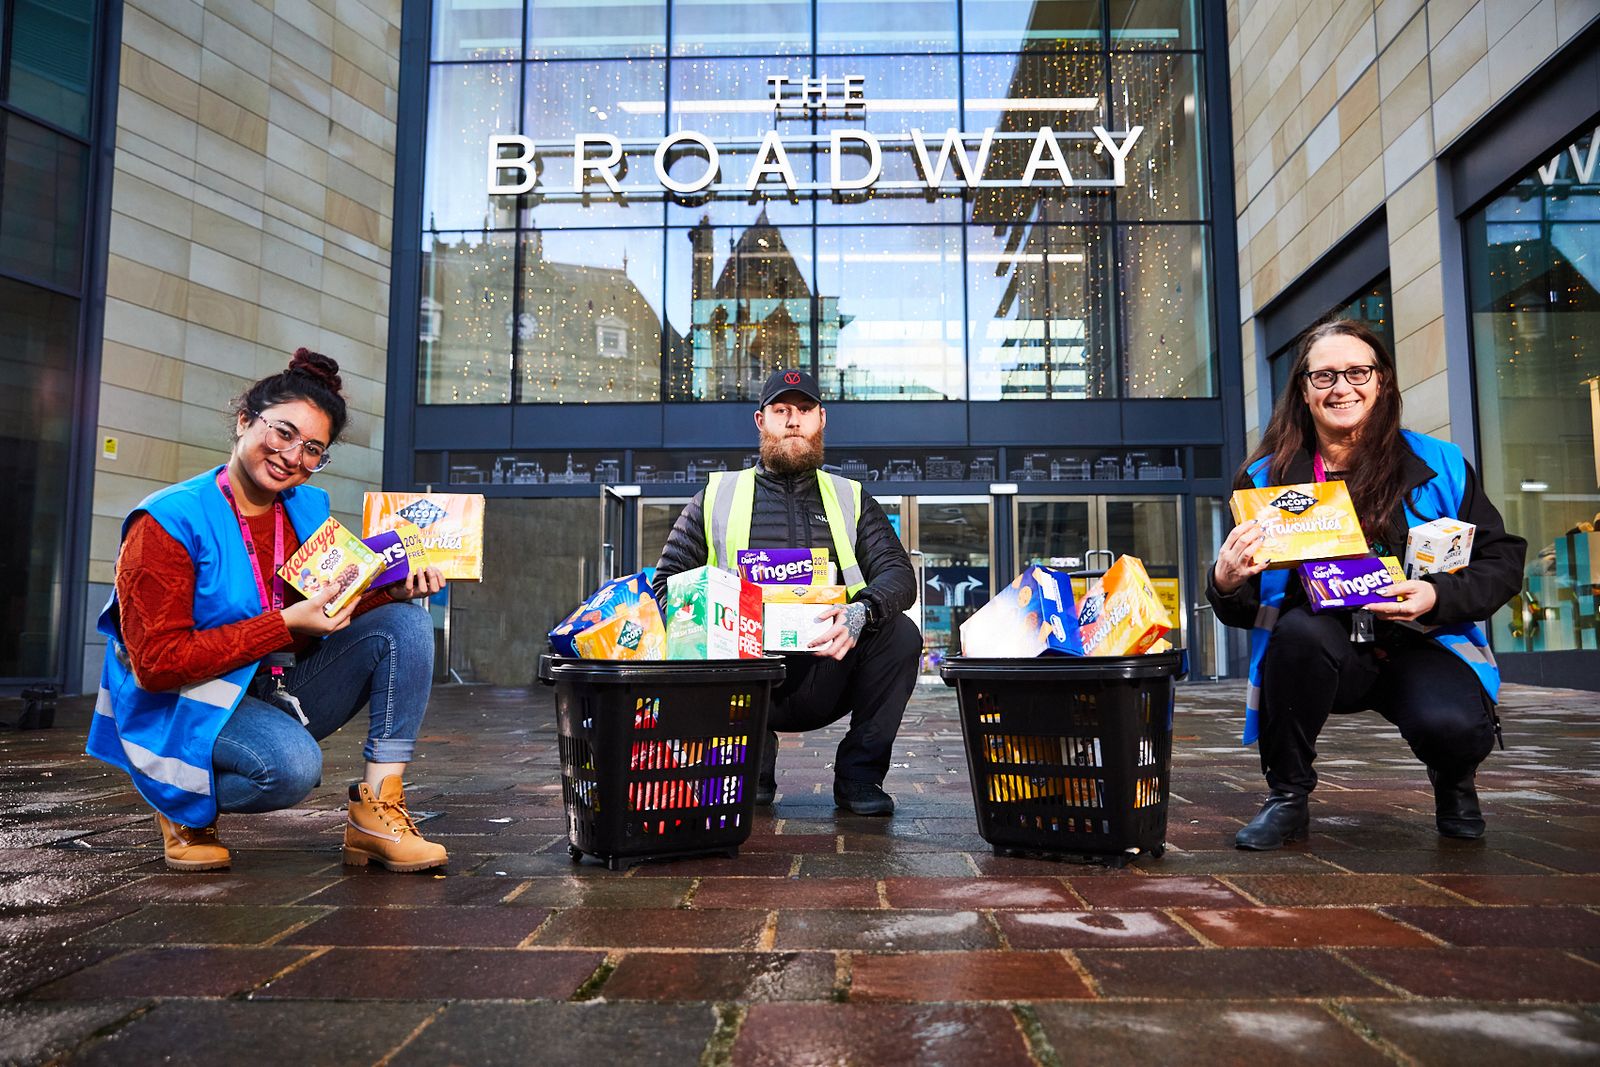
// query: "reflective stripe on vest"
[[728, 514]]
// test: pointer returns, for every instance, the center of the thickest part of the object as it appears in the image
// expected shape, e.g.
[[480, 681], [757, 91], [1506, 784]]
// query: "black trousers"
[[1312, 670], [872, 685]]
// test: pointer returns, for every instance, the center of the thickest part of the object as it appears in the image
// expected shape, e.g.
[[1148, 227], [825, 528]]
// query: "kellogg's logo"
[[1294, 502]]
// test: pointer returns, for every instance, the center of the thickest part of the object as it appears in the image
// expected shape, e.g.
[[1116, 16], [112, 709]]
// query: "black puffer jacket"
[[787, 513]]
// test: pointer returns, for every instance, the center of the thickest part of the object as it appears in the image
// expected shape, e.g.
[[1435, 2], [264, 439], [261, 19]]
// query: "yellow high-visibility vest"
[[728, 511]]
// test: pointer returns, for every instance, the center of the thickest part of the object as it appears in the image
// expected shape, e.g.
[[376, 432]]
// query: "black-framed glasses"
[[281, 438], [1324, 379]]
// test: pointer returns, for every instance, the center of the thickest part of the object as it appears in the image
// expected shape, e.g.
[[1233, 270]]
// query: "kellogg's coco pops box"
[[332, 556], [1334, 585], [1309, 521], [451, 525], [713, 614]]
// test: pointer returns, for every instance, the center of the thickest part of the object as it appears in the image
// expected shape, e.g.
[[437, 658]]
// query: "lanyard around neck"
[[1318, 471], [276, 603]]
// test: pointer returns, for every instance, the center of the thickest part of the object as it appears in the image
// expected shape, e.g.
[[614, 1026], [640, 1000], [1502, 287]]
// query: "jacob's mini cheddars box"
[[1031, 616], [1122, 615], [1333, 585], [789, 614], [783, 566], [451, 525], [625, 621], [1437, 546], [332, 556], [713, 614], [1309, 521]]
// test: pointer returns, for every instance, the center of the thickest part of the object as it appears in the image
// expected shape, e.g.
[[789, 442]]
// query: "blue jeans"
[[265, 760]]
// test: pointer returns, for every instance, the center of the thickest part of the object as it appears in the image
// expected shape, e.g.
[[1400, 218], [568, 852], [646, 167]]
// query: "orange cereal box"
[[451, 525], [332, 556], [1122, 615], [1305, 522]]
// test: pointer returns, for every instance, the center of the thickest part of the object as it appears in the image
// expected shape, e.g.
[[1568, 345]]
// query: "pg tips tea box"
[[332, 556], [1031, 616], [1335, 585], [713, 614], [1438, 546], [1305, 522]]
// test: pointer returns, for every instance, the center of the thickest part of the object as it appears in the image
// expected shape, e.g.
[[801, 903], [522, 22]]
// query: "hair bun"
[[316, 366]]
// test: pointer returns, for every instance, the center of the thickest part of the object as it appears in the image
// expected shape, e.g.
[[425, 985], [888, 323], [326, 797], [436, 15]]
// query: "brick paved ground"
[[829, 939]]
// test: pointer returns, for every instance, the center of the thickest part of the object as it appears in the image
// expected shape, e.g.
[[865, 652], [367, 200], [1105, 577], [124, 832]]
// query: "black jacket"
[[1491, 578], [787, 513]]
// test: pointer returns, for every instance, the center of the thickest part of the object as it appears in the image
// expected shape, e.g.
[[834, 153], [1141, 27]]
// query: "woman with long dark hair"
[[1427, 668], [220, 679]]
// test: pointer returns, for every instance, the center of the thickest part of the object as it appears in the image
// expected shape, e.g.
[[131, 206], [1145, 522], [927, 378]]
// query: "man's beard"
[[791, 455]]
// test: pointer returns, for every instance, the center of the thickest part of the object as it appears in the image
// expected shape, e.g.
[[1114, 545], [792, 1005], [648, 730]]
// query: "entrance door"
[[953, 538]]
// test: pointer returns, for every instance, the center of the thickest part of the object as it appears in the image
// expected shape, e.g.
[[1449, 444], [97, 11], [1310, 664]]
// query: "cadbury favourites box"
[[1438, 546], [1334, 585], [620, 620], [332, 555], [1303, 523], [783, 566], [713, 614], [789, 614], [1031, 616]]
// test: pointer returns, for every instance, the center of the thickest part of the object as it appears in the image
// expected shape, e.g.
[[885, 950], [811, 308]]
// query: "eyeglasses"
[[281, 438], [1324, 379]]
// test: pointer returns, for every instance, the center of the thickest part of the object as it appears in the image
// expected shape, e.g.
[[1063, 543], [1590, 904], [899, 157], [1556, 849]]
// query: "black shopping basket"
[[1070, 755], [659, 758]]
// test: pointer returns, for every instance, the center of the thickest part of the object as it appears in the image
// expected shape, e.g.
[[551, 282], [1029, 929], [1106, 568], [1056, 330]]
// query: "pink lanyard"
[[1317, 469], [276, 603]]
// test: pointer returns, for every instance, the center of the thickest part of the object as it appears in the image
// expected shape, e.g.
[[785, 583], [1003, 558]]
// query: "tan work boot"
[[378, 827], [190, 848]]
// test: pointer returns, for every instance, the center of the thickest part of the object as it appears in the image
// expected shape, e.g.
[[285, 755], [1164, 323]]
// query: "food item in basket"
[[713, 614], [1304, 522], [1438, 546], [451, 525], [334, 556], [1122, 615], [1162, 645], [1349, 583], [1031, 616], [783, 566], [789, 614], [402, 553], [620, 620]]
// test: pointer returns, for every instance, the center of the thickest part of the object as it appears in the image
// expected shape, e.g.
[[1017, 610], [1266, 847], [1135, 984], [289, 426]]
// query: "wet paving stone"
[[1507, 927], [999, 894], [173, 972], [965, 976], [1483, 973], [40, 1032], [1347, 889], [1300, 928], [600, 892], [1522, 889], [654, 928], [780, 1035], [380, 888], [774, 893], [1092, 929], [886, 930], [1521, 1035], [744, 977], [1202, 1035], [482, 927], [1135, 891], [1224, 974], [887, 865], [215, 888], [208, 924], [436, 974], [563, 1035]]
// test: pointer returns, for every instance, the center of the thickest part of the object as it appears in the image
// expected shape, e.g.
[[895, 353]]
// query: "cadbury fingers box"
[[783, 566], [1302, 523], [1335, 585]]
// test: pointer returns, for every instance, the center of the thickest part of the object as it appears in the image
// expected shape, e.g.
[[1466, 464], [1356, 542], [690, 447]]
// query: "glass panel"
[[720, 28], [42, 203], [886, 26], [1053, 532], [566, 29], [535, 468], [1094, 465], [1209, 642], [38, 350], [464, 350], [1153, 24], [1039, 318], [1372, 306], [690, 468], [893, 332], [52, 59], [1149, 530], [1030, 25], [953, 536], [739, 307], [1165, 169], [656, 518], [622, 99], [478, 29], [590, 324], [467, 103], [1166, 318], [1533, 259]]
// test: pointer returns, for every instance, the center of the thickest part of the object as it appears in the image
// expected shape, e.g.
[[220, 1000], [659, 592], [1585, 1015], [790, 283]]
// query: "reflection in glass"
[[1166, 320], [52, 57], [952, 534], [534, 468], [38, 347], [1030, 25], [1152, 24], [895, 331], [589, 327], [476, 29], [1149, 530], [1371, 306], [1533, 263], [1053, 532], [886, 26], [1165, 170], [570, 29], [467, 103], [1039, 319], [464, 348], [42, 192], [743, 303], [720, 28]]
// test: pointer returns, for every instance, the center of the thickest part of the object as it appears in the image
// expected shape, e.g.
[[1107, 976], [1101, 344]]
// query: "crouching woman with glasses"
[[220, 679], [1424, 665]]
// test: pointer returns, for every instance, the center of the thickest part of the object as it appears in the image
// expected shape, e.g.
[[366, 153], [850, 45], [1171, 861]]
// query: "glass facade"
[[863, 189], [1372, 305], [1533, 257]]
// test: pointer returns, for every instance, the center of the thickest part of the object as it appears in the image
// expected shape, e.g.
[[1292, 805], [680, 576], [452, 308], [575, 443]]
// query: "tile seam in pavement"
[[312, 954], [1381, 982], [882, 886], [994, 924], [527, 942], [1082, 971], [769, 932], [1191, 930], [416, 1031], [1364, 1032], [1439, 942], [689, 894], [844, 976], [1034, 1038], [590, 987], [718, 1049], [121, 1022], [1243, 892], [516, 892]]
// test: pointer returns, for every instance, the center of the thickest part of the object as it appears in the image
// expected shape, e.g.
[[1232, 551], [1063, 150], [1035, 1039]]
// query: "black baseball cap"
[[789, 381]]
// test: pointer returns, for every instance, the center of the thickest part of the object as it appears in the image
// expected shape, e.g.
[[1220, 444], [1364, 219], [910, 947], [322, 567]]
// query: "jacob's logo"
[[1294, 502], [423, 513]]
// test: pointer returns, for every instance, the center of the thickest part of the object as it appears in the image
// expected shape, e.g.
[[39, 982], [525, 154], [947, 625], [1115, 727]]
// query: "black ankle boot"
[[1455, 804], [1285, 817]]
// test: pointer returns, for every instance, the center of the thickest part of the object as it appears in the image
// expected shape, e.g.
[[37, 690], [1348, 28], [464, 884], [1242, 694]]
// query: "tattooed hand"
[[841, 637]]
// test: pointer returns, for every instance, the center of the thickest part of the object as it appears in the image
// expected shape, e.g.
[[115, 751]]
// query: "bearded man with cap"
[[865, 664]]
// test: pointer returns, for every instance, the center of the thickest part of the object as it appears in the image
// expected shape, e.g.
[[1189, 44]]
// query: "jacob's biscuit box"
[[1305, 522], [1438, 546], [401, 551], [789, 614], [1334, 585], [332, 556], [1122, 615], [451, 526], [783, 566], [713, 614], [1031, 616], [620, 620]]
